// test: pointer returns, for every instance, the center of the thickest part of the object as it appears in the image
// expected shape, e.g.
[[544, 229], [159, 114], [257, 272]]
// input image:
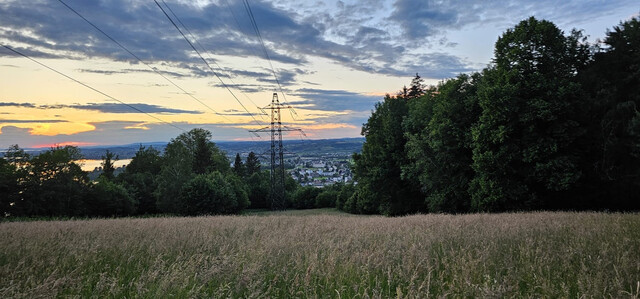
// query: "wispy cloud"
[[30, 121], [106, 107], [116, 132], [49, 30], [16, 104], [334, 100]]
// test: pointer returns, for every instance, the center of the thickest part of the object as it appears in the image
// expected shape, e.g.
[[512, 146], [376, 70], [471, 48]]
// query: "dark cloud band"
[[105, 107]]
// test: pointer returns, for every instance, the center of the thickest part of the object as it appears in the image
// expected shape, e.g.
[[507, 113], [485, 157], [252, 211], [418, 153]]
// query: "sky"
[[333, 59]]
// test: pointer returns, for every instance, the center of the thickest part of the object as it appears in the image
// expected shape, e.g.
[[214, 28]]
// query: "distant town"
[[319, 172]]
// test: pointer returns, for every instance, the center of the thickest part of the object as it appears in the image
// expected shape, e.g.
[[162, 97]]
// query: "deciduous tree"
[[523, 143]]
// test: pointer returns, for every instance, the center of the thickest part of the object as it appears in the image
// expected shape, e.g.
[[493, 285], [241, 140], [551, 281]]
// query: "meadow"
[[325, 254]]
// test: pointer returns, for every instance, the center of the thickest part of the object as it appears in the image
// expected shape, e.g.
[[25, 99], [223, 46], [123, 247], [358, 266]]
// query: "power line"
[[205, 61], [205, 51], [92, 88], [242, 30], [240, 27], [139, 59], [264, 49]]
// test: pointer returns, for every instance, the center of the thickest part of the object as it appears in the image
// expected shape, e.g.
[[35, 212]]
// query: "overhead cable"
[[206, 53], [254, 25], [205, 61], [139, 59], [92, 88]]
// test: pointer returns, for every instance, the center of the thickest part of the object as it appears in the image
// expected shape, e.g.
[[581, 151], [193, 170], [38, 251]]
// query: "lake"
[[90, 165]]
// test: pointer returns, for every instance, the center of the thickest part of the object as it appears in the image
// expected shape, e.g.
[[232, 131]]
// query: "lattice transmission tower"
[[277, 151]]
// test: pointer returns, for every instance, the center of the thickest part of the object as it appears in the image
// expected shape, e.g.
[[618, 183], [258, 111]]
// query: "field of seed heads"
[[543, 254]]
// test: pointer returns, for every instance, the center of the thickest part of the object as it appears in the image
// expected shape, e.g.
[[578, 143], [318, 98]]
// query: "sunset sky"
[[334, 60]]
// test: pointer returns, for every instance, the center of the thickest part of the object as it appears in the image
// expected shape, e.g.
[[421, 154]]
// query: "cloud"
[[67, 143], [14, 104], [333, 100], [31, 121], [373, 36], [235, 112], [422, 19], [49, 30], [440, 65], [285, 77], [106, 107], [120, 108], [118, 132], [192, 71], [246, 88]]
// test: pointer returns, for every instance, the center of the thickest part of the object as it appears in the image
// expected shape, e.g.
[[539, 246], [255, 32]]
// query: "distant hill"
[[320, 147]]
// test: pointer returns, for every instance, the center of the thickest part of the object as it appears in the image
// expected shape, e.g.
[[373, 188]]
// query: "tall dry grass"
[[482, 255]]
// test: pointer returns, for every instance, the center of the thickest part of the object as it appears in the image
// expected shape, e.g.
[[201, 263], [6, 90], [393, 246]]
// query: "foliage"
[[146, 160], [327, 198], [109, 199], [258, 190], [253, 164], [140, 178], [523, 142], [175, 172], [290, 187], [417, 88], [8, 187], [438, 146], [213, 193], [189, 154], [552, 123], [378, 168], [238, 166], [613, 121], [346, 191], [305, 197], [107, 165], [54, 184]]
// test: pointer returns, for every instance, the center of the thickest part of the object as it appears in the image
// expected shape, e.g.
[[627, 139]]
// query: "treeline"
[[552, 123], [190, 177]]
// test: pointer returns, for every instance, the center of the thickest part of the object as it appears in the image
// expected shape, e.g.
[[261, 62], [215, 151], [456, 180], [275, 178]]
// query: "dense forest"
[[552, 123]]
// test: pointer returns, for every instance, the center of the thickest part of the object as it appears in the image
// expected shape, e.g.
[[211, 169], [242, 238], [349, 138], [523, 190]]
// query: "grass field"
[[325, 254]]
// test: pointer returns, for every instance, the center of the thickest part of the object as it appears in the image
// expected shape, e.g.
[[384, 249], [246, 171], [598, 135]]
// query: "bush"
[[110, 199], [258, 190], [305, 197], [213, 194], [326, 198], [346, 191]]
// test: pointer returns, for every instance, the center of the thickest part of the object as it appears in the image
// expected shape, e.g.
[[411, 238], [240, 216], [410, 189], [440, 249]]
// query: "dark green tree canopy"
[[107, 165], [417, 88], [213, 193], [140, 178], [191, 153], [238, 166], [146, 160], [253, 164], [523, 142], [439, 135], [379, 167]]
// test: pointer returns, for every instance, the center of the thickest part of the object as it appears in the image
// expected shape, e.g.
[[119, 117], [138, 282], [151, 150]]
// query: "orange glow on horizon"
[[328, 127], [72, 143]]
